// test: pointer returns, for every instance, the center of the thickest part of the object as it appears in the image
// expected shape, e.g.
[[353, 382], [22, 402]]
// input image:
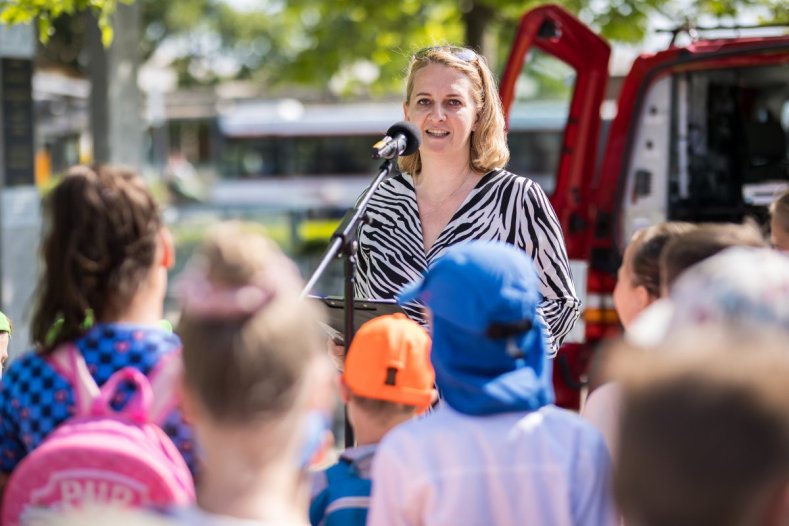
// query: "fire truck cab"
[[698, 133]]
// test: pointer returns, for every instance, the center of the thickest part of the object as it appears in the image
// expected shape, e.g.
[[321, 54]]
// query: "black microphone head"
[[410, 132]]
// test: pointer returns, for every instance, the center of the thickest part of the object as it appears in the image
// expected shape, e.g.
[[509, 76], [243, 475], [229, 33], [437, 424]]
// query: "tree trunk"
[[99, 108], [477, 18], [115, 108], [126, 124]]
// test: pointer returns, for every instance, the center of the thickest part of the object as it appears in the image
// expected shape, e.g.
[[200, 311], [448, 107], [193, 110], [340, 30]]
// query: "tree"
[[346, 47], [338, 36], [46, 12], [212, 41], [116, 124]]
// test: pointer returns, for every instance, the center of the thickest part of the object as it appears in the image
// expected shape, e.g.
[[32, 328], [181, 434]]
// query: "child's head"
[[489, 346], [704, 431], [103, 242], [705, 241], [638, 281], [387, 372], [779, 222], [739, 287], [249, 339]]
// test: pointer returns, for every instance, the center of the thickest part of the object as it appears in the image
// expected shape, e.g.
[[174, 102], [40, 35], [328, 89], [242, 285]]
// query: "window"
[[299, 155], [538, 115]]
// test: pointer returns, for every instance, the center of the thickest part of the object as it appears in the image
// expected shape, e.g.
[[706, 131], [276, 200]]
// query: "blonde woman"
[[455, 189]]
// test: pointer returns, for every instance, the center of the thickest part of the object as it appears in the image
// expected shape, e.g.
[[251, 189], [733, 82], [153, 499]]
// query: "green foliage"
[[359, 47], [335, 36], [345, 48], [771, 9], [46, 12]]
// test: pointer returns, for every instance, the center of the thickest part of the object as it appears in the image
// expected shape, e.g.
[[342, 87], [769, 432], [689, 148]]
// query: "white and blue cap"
[[739, 287], [489, 347]]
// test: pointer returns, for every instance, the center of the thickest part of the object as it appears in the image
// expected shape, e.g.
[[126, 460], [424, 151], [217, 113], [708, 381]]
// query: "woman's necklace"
[[434, 209]]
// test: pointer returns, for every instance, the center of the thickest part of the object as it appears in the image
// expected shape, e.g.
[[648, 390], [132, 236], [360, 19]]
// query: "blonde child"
[[253, 369]]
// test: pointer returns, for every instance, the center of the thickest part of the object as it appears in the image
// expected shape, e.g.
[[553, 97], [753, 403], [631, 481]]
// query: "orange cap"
[[389, 360]]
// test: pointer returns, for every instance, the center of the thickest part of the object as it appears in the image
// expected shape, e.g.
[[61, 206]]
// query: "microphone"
[[402, 138]]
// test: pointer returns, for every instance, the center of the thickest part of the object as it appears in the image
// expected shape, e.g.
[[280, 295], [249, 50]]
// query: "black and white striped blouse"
[[502, 206]]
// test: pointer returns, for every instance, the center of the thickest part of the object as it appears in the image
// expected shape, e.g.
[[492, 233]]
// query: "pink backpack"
[[101, 456]]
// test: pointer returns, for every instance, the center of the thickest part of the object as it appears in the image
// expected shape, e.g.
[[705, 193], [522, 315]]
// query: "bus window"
[[246, 158]]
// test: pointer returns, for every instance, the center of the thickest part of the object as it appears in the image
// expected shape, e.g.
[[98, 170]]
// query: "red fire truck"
[[698, 133]]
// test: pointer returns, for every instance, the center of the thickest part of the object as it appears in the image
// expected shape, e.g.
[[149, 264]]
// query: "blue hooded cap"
[[489, 347]]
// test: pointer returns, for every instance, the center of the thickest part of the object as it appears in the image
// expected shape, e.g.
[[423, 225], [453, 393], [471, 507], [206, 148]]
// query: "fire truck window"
[[737, 150], [543, 93]]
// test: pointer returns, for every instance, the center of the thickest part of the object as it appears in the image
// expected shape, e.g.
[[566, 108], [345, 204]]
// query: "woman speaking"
[[455, 189]]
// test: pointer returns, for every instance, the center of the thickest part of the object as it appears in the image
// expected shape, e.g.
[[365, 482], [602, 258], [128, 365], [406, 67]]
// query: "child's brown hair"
[[705, 241], [647, 245], [383, 411], [99, 246]]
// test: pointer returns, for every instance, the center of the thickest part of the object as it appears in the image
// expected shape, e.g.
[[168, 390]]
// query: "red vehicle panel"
[[700, 134]]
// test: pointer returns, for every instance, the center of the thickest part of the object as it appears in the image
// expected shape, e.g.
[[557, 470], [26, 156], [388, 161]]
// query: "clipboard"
[[363, 311]]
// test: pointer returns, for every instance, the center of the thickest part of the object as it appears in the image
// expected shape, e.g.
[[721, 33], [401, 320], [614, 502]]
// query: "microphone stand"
[[344, 244]]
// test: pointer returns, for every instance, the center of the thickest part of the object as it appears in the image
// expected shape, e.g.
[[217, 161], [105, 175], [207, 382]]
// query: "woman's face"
[[779, 238], [629, 299], [442, 106]]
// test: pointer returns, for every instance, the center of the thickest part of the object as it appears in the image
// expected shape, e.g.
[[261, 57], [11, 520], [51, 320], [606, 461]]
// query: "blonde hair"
[[248, 337], [488, 148]]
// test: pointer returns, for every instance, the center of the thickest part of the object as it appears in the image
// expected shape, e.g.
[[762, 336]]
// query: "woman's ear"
[[167, 248], [405, 111]]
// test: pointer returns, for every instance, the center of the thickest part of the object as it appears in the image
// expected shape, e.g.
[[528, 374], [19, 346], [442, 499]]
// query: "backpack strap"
[[152, 403], [165, 380], [68, 361], [349, 494]]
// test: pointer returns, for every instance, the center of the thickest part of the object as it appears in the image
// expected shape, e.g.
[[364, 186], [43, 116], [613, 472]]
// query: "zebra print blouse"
[[502, 206]]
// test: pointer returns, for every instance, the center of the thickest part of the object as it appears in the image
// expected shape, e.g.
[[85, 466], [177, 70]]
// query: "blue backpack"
[[345, 500]]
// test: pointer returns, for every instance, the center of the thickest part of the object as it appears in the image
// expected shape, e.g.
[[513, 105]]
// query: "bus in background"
[[317, 156]]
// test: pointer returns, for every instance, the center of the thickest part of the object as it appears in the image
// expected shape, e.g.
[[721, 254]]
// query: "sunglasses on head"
[[463, 53]]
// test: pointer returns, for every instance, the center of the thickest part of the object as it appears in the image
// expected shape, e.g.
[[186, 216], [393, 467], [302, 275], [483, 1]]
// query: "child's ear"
[[643, 296], [167, 248], [189, 406], [433, 400], [345, 392]]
